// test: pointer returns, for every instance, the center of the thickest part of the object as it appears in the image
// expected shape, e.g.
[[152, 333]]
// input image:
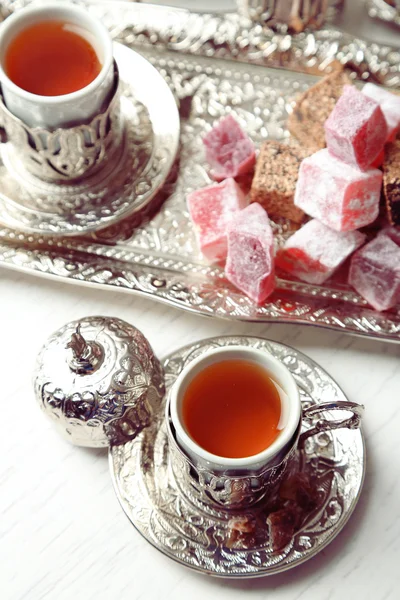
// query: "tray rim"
[[8, 264]]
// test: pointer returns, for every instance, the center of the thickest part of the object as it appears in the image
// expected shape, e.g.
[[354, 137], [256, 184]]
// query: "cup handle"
[[352, 422]]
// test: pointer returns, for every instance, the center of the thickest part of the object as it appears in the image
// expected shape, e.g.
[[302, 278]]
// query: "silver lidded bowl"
[[99, 381]]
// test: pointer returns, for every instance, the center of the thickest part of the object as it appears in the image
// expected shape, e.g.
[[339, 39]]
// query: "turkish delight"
[[337, 194], [282, 525], [390, 106], [391, 181], [313, 107], [315, 251], [211, 208], [375, 272], [250, 261], [229, 151], [275, 179], [392, 232], [356, 129]]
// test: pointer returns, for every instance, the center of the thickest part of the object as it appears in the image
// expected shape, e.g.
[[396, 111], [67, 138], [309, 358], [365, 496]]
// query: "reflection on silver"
[[289, 15], [380, 9], [197, 534]]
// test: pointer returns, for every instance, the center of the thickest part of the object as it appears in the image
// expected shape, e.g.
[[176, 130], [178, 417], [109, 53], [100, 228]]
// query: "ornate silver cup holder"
[[81, 179], [181, 523]]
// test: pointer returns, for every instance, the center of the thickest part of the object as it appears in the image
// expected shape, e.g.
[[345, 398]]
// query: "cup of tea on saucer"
[[235, 420], [59, 102]]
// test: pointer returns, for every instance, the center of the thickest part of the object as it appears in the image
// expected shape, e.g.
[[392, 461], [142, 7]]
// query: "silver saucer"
[[199, 536], [127, 182]]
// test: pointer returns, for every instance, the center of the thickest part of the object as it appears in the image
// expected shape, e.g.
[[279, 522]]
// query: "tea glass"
[[61, 139], [234, 483], [58, 111]]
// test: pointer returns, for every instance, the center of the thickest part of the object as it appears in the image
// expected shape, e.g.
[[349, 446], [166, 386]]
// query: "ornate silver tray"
[[383, 10], [214, 64], [199, 536]]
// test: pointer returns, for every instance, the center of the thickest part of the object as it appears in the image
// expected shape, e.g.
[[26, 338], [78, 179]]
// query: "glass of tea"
[[234, 419], [56, 65], [235, 408]]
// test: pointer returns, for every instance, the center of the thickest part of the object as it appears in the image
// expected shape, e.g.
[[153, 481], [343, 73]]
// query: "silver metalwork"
[[227, 490], [125, 183], [386, 11], [65, 155], [99, 381], [289, 15], [158, 258], [198, 534], [234, 490]]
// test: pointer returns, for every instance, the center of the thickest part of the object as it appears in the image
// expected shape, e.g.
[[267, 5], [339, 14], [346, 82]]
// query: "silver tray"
[[197, 535], [380, 9], [154, 253]]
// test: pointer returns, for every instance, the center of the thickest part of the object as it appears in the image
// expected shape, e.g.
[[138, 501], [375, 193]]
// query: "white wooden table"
[[63, 535]]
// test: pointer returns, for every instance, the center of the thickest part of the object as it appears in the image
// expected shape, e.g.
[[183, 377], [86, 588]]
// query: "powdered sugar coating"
[[356, 129], [250, 261], [229, 151], [390, 106], [375, 272], [339, 195], [315, 251], [392, 232], [211, 209]]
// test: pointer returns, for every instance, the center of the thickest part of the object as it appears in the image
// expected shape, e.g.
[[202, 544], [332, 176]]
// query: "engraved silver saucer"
[[126, 183], [199, 535]]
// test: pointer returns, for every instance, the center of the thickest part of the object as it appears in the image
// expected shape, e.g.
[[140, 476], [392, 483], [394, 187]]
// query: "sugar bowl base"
[[238, 543]]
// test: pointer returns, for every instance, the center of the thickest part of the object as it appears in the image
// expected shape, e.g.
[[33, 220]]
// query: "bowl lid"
[[99, 381]]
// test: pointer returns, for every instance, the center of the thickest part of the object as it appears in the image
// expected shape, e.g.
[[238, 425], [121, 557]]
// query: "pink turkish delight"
[[211, 208], [356, 129], [375, 272], [229, 151], [392, 232], [390, 106], [378, 161], [338, 195], [315, 251], [250, 262]]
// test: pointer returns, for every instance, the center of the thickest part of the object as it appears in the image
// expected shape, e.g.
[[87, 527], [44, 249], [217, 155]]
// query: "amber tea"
[[51, 58], [233, 409]]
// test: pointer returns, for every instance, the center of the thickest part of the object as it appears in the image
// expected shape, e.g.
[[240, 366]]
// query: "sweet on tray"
[[391, 181], [375, 272], [356, 129], [313, 107], [390, 106], [250, 261], [337, 185], [339, 195], [211, 208], [315, 251], [229, 150], [275, 179]]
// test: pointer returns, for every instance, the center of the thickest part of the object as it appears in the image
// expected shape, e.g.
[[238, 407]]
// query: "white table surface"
[[63, 535]]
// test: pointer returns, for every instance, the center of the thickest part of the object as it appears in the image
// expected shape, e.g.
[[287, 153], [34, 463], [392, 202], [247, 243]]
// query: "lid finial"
[[86, 356]]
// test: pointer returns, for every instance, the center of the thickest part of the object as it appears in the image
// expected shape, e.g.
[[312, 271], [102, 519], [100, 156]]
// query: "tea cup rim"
[[58, 7], [275, 367]]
